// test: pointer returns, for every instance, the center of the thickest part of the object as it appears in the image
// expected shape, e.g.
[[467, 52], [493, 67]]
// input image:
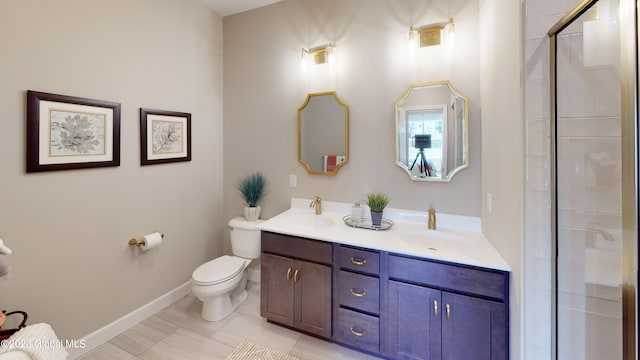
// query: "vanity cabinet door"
[[473, 328], [312, 298], [296, 293], [296, 281], [276, 292], [414, 317]]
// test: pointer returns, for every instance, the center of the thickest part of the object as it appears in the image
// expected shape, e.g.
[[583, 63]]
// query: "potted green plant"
[[377, 202], [251, 188]]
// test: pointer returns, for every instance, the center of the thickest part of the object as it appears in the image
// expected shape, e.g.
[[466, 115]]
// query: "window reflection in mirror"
[[431, 132], [425, 130], [323, 146]]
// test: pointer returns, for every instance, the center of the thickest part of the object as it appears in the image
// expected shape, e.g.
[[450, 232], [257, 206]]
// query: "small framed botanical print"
[[165, 136]]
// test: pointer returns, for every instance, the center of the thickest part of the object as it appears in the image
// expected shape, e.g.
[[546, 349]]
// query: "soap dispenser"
[[356, 213]]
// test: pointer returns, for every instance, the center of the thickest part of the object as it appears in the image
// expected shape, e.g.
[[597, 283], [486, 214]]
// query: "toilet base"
[[220, 307]]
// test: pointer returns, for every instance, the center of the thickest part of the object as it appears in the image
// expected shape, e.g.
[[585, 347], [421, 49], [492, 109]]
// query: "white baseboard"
[[128, 321]]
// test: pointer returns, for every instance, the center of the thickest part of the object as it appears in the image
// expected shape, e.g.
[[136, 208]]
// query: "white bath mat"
[[248, 350]]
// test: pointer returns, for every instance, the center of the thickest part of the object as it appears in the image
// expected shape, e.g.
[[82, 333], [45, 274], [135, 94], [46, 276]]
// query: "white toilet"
[[221, 283]]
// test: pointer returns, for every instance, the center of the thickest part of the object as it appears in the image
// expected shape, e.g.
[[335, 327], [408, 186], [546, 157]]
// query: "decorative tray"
[[386, 224]]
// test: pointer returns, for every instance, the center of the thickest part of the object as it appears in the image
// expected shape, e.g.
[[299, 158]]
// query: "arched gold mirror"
[[432, 139], [323, 133]]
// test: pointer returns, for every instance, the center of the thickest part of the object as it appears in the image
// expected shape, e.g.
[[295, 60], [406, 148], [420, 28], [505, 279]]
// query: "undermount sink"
[[310, 220], [433, 239]]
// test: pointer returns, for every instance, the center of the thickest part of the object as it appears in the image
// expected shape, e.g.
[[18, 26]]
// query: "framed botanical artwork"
[[165, 136], [68, 132]]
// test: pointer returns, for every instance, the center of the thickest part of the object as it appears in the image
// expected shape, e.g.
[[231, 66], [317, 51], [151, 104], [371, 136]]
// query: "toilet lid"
[[218, 270]]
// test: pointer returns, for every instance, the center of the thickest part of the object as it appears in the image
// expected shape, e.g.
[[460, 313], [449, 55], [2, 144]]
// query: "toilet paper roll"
[[152, 240]]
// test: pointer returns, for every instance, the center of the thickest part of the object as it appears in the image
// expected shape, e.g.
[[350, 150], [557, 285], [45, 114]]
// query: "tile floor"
[[178, 332]]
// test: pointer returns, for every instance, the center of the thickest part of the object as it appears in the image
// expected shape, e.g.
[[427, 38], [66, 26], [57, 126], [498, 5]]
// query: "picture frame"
[[165, 136], [69, 132]]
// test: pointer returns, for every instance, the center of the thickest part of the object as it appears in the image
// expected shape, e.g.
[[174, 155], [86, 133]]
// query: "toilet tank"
[[245, 238]]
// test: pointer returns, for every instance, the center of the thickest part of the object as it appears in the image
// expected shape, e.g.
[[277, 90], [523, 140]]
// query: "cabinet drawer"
[[359, 260], [488, 283], [359, 330], [360, 292], [296, 247]]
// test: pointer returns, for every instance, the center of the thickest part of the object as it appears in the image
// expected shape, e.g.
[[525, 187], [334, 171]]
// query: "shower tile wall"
[[589, 198], [590, 148]]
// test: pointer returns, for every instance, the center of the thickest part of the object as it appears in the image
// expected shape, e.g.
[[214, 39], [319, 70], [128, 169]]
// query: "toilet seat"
[[218, 270]]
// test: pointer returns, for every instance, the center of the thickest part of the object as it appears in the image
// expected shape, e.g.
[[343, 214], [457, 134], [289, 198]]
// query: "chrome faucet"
[[432, 219], [317, 203]]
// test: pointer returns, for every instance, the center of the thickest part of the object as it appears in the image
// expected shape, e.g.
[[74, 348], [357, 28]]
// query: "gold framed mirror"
[[323, 133], [432, 132]]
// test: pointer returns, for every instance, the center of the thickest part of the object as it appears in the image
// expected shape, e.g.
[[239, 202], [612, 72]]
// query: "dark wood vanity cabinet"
[[444, 311], [391, 305], [296, 283]]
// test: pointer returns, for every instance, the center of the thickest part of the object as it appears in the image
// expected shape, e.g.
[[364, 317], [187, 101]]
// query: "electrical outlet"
[[489, 203], [293, 181]]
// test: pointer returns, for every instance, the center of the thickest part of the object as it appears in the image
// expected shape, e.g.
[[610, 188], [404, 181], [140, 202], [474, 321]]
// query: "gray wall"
[[72, 266], [265, 84], [503, 145]]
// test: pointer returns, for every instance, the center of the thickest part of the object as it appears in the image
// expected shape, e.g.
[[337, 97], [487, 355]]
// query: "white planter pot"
[[252, 213]]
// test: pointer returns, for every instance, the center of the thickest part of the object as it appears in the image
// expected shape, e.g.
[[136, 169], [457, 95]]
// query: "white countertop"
[[457, 239]]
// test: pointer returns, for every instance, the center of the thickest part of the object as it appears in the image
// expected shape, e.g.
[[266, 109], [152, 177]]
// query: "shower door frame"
[[629, 78]]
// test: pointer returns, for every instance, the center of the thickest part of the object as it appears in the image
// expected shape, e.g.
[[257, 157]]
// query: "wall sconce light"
[[319, 55], [431, 35]]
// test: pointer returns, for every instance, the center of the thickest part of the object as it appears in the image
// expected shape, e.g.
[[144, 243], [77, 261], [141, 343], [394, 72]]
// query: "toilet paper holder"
[[136, 242]]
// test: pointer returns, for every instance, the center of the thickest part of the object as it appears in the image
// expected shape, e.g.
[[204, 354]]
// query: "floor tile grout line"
[[177, 327]]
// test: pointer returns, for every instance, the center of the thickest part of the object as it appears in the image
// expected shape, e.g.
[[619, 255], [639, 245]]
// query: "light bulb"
[[413, 42], [450, 33], [329, 53], [303, 58]]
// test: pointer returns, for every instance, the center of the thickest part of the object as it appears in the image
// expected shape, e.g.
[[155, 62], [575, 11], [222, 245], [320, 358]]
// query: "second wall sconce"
[[319, 55], [430, 35]]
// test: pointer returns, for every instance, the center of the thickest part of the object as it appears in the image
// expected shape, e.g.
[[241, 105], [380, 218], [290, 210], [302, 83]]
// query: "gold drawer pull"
[[289, 274], [356, 261], [435, 307], [357, 333], [295, 275], [358, 293], [448, 311]]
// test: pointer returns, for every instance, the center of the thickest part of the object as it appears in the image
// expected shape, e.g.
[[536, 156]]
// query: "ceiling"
[[230, 7]]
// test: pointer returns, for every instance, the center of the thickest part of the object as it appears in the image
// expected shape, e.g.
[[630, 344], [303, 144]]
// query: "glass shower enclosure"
[[594, 202]]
